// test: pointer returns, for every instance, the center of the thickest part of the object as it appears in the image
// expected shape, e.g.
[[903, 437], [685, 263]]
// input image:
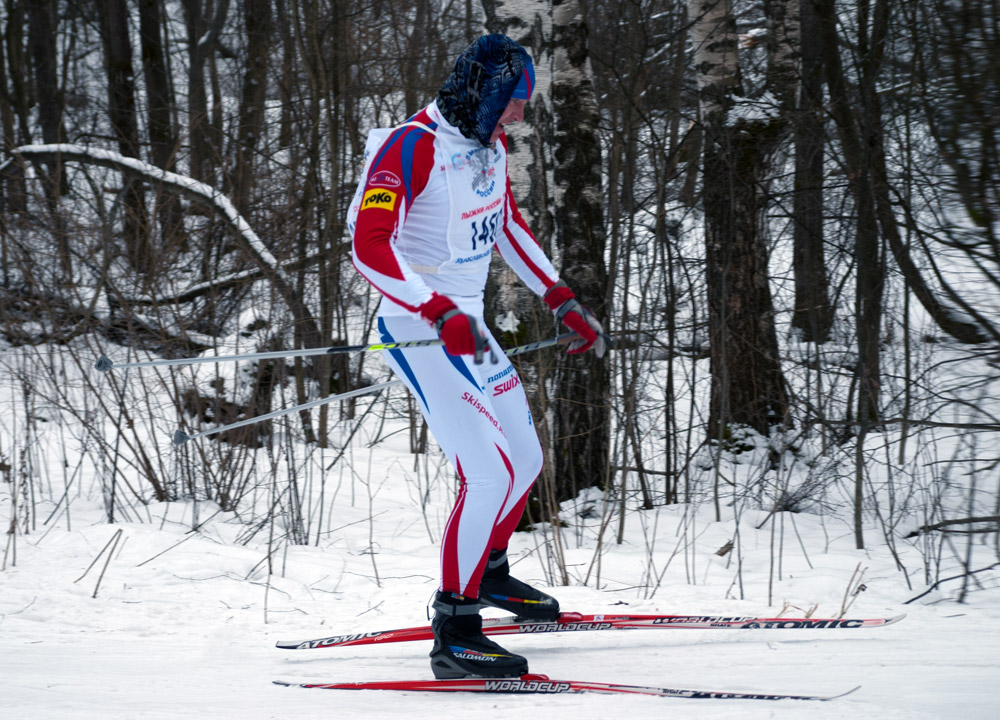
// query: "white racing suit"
[[430, 209]]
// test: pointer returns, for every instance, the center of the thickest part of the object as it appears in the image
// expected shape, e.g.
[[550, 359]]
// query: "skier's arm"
[[398, 174], [521, 251]]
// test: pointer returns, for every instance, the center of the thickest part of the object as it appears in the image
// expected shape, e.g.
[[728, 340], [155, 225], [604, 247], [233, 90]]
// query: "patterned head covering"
[[484, 80]]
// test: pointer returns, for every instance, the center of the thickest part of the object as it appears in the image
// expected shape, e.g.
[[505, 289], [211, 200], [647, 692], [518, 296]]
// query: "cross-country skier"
[[434, 202]]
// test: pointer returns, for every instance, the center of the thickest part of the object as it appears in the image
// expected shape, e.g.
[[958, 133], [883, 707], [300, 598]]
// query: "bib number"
[[484, 232]]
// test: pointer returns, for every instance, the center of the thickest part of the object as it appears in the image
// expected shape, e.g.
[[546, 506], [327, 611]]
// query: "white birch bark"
[[570, 73], [581, 403], [716, 64], [747, 386], [784, 40], [576, 119], [529, 22]]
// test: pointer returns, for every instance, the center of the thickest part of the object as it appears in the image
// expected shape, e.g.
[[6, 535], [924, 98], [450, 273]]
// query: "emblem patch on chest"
[[482, 162], [385, 178], [377, 198]]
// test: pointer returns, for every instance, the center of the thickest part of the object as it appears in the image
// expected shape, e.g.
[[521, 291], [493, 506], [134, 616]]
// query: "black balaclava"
[[484, 80]]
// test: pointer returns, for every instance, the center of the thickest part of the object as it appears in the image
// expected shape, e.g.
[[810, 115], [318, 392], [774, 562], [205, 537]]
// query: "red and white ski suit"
[[426, 220]]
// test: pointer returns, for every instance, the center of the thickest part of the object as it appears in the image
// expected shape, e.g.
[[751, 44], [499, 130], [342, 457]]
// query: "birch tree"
[[581, 411], [555, 167], [515, 310], [748, 387]]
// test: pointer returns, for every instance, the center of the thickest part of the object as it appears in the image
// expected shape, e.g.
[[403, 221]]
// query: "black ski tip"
[[843, 694], [103, 364], [181, 437]]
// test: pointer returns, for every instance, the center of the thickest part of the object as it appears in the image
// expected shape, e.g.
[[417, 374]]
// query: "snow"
[[192, 599], [184, 621], [750, 110]]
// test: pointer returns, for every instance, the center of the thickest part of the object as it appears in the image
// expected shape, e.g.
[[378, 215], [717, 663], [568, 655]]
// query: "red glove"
[[459, 332], [577, 318]]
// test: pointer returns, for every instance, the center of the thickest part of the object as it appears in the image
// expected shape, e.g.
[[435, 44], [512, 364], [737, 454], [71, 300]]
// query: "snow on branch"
[[187, 186], [244, 235]]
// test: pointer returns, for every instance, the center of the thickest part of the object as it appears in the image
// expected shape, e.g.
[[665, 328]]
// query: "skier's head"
[[487, 76]]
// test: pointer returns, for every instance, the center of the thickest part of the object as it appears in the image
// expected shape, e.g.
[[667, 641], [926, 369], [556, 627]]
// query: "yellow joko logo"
[[378, 198]]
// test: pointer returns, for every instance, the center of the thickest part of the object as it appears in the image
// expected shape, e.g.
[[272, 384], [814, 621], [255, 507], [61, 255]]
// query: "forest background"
[[784, 212]]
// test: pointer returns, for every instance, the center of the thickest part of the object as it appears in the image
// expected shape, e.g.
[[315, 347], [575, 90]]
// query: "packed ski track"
[[178, 629], [174, 609]]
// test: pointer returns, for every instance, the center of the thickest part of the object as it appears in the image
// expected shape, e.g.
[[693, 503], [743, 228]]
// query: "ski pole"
[[181, 437], [105, 364]]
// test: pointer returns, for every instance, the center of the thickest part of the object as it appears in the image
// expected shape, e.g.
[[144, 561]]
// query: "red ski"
[[542, 685], [576, 622]]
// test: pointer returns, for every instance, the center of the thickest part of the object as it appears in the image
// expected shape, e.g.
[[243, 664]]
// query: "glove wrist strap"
[[439, 323], [566, 308], [558, 295]]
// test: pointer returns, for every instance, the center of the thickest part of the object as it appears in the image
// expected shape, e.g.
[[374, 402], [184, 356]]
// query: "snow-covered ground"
[[184, 623], [151, 618]]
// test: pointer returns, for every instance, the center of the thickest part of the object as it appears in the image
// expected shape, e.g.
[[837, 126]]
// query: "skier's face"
[[513, 113]]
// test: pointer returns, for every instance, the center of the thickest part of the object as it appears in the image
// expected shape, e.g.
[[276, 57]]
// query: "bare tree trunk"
[[19, 65], [748, 387], [162, 137], [713, 35], [12, 189], [202, 37], [794, 77], [857, 136], [416, 42], [581, 405], [289, 65], [121, 110], [163, 143], [257, 14], [784, 51], [41, 41], [813, 315], [41, 37]]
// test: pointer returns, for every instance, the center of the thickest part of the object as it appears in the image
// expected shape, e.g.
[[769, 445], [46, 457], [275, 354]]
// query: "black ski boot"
[[460, 648], [498, 589]]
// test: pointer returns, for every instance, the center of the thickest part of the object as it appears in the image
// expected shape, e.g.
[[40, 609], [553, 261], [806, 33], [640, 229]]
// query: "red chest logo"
[[384, 178]]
